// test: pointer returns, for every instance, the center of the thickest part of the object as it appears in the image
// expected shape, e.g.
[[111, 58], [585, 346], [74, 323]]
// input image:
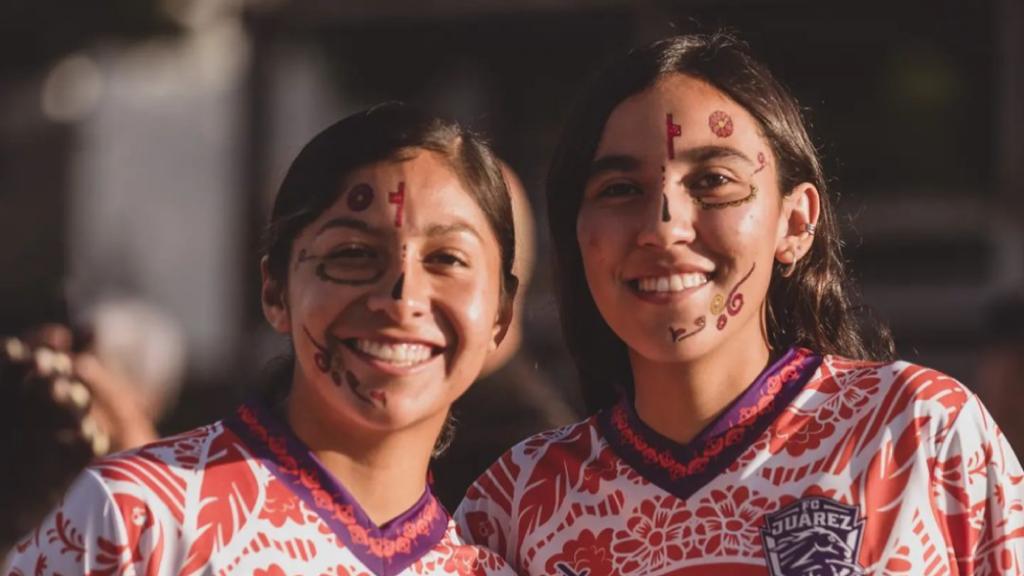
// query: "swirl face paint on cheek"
[[733, 302]]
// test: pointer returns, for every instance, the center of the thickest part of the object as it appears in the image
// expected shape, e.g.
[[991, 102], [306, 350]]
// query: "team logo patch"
[[813, 536]]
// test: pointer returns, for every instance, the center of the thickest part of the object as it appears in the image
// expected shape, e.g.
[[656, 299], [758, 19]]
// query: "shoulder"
[[897, 385]]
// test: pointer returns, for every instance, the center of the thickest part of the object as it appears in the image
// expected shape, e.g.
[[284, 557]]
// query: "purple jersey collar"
[[682, 469], [384, 550]]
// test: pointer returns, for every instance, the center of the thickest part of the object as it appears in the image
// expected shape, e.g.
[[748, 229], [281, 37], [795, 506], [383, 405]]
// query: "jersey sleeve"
[[85, 533], [978, 487], [485, 515]]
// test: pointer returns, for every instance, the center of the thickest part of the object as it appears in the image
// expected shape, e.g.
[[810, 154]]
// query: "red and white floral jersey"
[[240, 496], [822, 467]]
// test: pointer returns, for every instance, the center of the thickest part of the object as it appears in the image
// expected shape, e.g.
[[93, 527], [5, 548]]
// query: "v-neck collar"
[[386, 549], [682, 469]]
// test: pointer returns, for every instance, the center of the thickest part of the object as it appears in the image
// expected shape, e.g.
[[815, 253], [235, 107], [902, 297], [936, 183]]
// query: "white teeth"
[[398, 354], [673, 283]]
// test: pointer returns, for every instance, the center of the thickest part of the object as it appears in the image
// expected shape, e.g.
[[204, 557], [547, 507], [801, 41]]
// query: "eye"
[[448, 258], [351, 253], [709, 181], [619, 190]]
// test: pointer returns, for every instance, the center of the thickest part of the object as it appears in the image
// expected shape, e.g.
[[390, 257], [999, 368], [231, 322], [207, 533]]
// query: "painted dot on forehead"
[[720, 124], [360, 197]]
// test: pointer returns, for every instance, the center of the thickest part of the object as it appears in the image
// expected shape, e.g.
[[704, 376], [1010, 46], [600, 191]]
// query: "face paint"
[[322, 356], [398, 198], [396, 291], [324, 274], [360, 197], [717, 304], [354, 385], [720, 124], [672, 131], [730, 204], [733, 302], [680, 334], [761, 162], [665, 216]]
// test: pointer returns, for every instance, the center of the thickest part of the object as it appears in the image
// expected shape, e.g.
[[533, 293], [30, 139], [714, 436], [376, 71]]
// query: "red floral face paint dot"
[[672, 131], [720, 123], [360, 197], [722, 321], [398, 198]]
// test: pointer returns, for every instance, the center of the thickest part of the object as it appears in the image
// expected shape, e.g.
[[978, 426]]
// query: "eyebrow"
[[707, 153], [435, 230], [698, 155], [351, 223]]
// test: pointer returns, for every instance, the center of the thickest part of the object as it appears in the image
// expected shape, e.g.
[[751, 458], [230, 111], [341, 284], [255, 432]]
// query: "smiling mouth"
[[397, 354], [669, 283]]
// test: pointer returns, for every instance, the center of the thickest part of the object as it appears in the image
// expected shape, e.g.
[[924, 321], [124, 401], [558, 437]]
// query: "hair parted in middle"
[[813, 308]]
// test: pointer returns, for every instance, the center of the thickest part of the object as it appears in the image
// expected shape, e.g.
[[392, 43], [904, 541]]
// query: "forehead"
[[641, 124], [416, 190]]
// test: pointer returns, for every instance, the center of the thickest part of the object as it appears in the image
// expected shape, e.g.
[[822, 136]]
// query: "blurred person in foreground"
[[513, 398], [78, 395]]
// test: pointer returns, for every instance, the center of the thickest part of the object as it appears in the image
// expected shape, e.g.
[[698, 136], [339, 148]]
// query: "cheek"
[[597, 237]]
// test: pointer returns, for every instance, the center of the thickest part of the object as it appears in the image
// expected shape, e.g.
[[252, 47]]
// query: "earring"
[[788, 269], [809, 228]]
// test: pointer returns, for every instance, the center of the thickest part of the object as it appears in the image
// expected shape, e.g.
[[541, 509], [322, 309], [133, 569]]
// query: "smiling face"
[[392, 298], [680, 222]]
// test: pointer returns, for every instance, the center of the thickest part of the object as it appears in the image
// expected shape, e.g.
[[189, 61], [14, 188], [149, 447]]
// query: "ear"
[[800, 208], [505, 314], [272, 298]]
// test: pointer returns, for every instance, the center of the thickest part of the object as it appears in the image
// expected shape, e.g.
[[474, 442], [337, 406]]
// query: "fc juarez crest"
[[813, 536]]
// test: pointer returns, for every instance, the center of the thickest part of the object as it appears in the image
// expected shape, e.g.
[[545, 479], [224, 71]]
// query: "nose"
[[667, 220], [403, 299]]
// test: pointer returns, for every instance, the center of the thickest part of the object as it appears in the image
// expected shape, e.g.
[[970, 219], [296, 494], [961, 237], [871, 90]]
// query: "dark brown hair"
[[812, 308]]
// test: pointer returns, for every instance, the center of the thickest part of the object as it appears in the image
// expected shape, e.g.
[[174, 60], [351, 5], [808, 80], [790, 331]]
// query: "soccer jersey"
[[823, 466], [240, 496]]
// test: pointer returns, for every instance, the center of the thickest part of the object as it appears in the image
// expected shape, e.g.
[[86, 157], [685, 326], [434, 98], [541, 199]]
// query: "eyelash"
[[609, 190], [447, 259]]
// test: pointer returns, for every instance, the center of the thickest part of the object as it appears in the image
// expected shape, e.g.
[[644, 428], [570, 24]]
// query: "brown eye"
[[447, 258], [710, 181], [619, 190]]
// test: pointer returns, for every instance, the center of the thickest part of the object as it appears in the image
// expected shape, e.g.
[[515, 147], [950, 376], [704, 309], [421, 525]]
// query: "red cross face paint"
[[392, 306], [655, 278], [672, 131], [398, 199]]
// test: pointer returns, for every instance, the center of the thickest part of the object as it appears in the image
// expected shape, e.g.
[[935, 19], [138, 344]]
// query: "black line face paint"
[[680, 334], [360, 197], [732, 303], [730, 204], [396, 292], [665, 215]]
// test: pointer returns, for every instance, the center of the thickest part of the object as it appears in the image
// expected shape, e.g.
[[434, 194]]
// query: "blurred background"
[[141, 143]]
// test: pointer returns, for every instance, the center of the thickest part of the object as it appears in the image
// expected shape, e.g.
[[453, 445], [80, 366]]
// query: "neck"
[[679, 399], [385, 471]]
